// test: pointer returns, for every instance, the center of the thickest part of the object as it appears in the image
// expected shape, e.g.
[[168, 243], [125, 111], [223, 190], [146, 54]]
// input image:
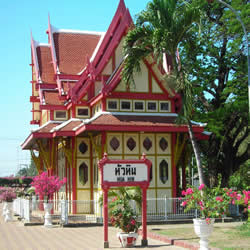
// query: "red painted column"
[[183, 175], [144, 241], [105, 217], [73, 176], [173, 166]]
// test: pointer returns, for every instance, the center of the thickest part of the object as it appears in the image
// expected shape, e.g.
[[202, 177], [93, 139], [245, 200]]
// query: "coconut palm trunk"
[[196, 152]]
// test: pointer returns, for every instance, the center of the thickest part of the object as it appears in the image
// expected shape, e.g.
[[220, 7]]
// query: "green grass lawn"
[[227, 236]]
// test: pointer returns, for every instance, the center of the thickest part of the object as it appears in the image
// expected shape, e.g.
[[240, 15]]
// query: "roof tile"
[[52, 98], [72, 50], [45, 64]]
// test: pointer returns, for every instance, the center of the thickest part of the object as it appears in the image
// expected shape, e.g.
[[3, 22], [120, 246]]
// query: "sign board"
[[125, 172]]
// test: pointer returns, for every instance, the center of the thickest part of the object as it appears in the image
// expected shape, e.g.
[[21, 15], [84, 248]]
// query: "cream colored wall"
[[118, 53], [141, 82], [44, 116], [108, 68], [155, 87], [37, 115], [98, 87], [155, 154]]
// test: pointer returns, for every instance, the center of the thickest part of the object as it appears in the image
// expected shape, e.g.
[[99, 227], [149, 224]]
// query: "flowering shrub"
[[46, 185], [123, 216], [7, 194], [211, 202]]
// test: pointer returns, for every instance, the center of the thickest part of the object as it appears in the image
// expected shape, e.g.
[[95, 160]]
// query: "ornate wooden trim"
[[37, 161], [98, 148], [179, 146], [67, 152], [44, 154]]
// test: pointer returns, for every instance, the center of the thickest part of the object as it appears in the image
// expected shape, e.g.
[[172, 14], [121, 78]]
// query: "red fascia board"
[[96, 99], [64, 133], [53, 107], [52, 49], [35, 135], [46, 86], [33, 49], [68, 77], [27, 140], [136, 128], [202, 137], [69, 106], [34, 99], [113, 83], [42, 135], [82, 79], [140, 96], [118, 14], [125, 23], [35, 122], [84, 89]]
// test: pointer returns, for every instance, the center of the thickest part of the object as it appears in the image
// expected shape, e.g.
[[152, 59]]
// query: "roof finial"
[[122, 5], [47, 31]]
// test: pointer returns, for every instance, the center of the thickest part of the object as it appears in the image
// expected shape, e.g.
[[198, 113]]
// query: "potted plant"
[[7, 195], [46, 186], [123, 216], [211, 203]]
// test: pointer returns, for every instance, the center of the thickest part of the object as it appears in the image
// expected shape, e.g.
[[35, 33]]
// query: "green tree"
[[217, 65], [160, 30], [31, 170]]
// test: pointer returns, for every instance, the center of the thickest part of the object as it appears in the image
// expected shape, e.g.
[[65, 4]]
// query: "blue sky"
[[18, 19]]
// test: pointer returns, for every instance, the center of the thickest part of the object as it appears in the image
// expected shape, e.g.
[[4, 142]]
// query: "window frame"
[[169, 107], [125, 100], [139, 110], [113, 100], [149, 110], [82, 116], [60, 118]]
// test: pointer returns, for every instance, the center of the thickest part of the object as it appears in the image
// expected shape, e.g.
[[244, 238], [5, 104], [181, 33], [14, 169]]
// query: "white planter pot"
[[8, 212], [47, 216], [203, 230], [127, 239]]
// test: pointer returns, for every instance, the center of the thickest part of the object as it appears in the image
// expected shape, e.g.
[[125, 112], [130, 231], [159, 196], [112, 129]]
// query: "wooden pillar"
[[105, 217], [183, 174], [74, 175], [144, 241], [174, 188]]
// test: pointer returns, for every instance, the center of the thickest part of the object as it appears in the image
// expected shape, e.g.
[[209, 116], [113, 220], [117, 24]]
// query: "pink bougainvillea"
[[46, 185], [7, 194], [213, 202]]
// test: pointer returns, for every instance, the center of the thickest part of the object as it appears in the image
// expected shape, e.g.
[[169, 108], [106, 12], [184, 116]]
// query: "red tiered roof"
[[52, 98], [72, 50], [45, 64]]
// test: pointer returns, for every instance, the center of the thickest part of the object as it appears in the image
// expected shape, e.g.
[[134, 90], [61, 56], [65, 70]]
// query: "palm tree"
[[158, 31]]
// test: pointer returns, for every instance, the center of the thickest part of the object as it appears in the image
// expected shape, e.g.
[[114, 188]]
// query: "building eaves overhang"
[[113, 121]]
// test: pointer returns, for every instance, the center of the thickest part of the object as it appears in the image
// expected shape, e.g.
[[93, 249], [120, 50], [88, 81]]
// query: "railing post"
[[166, 209], [64, 212], [27, 210]]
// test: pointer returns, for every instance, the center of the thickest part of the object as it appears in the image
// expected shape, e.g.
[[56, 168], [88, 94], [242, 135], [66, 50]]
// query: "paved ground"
[[14, 235]]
